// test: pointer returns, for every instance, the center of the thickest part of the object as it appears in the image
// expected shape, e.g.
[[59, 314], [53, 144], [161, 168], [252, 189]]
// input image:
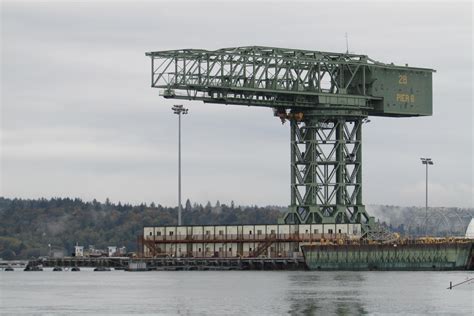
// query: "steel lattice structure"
[[325, 96], [326, 171]]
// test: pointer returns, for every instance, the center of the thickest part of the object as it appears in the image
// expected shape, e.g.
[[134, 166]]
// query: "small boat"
[[9, 269], [58, 269], [75, 269], [100, 269]]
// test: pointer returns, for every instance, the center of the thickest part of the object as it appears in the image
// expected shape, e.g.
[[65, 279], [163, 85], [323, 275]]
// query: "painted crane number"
[[406, 98], [402, 79]]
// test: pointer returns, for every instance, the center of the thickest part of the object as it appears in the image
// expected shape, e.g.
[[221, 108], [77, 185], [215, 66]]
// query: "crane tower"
[[326, 97]]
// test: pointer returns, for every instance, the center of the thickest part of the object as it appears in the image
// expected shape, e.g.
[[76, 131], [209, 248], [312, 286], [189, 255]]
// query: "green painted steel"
[[404, 92], [293, 79], [325, 96], [443, 256], [326, 171]]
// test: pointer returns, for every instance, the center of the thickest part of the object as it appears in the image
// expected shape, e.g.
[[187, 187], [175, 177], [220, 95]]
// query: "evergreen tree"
[[188, 206]]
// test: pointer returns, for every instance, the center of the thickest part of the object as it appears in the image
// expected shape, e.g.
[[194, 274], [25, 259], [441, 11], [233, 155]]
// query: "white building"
[[470, 229], [112, 251], [240, 240], [79, 251]]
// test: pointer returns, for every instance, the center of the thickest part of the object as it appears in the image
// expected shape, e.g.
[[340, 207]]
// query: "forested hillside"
[[416, 221], [28, 226]]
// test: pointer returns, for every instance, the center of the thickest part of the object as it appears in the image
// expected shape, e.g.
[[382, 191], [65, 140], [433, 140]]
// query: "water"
[[235, 293]]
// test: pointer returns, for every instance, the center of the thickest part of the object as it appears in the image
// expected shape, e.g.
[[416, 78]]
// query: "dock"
[[175, 264]]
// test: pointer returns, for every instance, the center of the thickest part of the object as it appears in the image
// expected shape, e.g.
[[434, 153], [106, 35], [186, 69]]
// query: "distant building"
[[241, 240], [470, 229], [112, 251], [57, 253], [122, 251], [79, 251]]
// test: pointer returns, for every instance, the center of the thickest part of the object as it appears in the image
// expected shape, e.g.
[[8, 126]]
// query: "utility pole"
[[179, 109], [426, 161]]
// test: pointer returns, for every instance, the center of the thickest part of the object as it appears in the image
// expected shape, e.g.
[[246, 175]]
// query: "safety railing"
[[225, 238]]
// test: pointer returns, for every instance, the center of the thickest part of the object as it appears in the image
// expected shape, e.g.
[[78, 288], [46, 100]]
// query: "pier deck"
[[178, 264]]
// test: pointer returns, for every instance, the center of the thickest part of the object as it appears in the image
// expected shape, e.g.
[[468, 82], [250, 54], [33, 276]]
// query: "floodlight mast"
[[426, 162], [325, 96], [179, 109]]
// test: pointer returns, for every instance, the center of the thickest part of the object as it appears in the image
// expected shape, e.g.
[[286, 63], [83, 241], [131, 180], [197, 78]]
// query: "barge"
[[412, 255]]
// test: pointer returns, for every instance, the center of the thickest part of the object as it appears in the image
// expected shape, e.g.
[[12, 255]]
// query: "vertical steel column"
[[311, 160], [359, 161], [340, 165], [293, 127]]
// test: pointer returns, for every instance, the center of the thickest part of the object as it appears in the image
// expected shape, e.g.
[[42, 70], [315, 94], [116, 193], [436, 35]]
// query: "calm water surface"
[[234, 293]]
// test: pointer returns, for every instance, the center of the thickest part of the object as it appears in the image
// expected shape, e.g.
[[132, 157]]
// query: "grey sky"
[[79, 118]]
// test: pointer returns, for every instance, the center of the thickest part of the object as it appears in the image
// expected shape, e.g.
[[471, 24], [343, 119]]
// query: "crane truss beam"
[[263, 76]]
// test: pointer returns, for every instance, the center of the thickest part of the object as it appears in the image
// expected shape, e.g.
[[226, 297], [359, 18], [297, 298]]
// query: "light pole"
[[426, 161], [179, 109]]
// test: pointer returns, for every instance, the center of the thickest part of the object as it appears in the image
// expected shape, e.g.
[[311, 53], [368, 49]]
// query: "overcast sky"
[[79, 118]]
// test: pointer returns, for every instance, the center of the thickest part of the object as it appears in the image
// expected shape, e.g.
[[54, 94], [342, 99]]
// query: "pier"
[[175, 264]]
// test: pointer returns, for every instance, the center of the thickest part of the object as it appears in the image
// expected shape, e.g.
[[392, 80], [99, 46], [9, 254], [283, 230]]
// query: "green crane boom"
[[325, 96]]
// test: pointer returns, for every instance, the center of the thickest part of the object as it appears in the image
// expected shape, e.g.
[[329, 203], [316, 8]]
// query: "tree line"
[[28, 226]]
